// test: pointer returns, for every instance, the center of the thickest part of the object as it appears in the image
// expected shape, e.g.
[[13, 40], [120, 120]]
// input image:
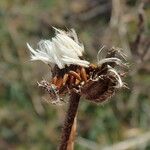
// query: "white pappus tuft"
[[63, 49]]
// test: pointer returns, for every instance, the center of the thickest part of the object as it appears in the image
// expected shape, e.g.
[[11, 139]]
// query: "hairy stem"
[[69, 120]]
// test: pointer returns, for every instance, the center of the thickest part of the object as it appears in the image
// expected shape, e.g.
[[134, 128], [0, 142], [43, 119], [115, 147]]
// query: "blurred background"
[[26, 122]]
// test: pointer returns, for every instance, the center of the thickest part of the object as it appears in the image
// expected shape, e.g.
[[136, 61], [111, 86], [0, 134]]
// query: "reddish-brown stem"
[[69, 120], [70, 145]]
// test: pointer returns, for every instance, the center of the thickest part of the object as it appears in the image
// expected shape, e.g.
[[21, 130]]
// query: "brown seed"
[[78, 71], [77, 82], [83, 74], [54, 80], [72, 80], [76, 75], [65, 78], [59, 82]]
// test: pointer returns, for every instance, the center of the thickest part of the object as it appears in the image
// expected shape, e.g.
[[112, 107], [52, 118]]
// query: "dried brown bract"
[[97, 83]]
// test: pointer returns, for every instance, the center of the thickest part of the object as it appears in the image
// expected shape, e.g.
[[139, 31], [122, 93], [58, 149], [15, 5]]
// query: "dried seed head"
[[96, 83]]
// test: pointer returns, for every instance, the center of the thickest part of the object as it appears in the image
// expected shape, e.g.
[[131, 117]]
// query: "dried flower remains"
[[70, 72]]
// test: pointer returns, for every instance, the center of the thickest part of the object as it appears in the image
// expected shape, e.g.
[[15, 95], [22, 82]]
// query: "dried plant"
[[73, 75]]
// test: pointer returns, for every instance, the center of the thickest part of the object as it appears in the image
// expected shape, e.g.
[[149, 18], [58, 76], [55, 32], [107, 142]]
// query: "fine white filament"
[[63, 49], [118, 78]]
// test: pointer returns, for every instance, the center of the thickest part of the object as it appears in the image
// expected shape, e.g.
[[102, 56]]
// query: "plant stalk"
[[70, 145], [69, 122]]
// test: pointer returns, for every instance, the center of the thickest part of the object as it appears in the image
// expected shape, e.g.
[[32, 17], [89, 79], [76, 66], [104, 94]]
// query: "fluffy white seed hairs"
[[63, 49]]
